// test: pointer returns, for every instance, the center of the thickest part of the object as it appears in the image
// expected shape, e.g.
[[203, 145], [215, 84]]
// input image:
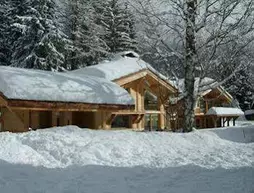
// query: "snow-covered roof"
[[28, 84], [205, 82], [224, 111], [249, 112], [205, 86], [122, 64]]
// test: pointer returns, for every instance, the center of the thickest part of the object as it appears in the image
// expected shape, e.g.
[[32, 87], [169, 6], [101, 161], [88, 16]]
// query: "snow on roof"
[[224, 111], [205, 82], [249, 112], [28, 84], [123, 64]]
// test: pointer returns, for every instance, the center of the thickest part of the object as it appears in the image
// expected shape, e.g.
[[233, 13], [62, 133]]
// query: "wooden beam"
[[142, 73], [64, 106], [206, 106], [163, 82], [3, 100], [129, 113], [140, 118], [111, 119], [131, 77], [135, 118], [152, 112]]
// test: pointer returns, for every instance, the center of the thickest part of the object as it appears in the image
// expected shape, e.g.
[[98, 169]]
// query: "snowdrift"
[[72, 146], [236, 134]]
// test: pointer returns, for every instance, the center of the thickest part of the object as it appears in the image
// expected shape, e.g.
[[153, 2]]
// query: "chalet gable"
[[206, 90], [126, 67]]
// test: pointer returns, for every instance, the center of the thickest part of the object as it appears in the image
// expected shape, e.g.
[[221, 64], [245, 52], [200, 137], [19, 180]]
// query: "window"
[[151, 121], [121, 121], [151, 101], [202, 105]]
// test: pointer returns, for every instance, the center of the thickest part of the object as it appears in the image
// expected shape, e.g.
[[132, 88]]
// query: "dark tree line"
[[41, 34]]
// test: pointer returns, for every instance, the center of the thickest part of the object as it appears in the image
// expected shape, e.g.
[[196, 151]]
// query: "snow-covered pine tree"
[[4, 19], [128, 38], [87, 46], [241, 88], [118, 24], [40, 44]]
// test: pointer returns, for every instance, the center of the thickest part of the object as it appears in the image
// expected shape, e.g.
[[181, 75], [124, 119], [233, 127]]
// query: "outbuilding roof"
[[224, 111]]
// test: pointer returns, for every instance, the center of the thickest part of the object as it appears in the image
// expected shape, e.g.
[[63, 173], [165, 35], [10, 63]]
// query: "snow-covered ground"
[[70, 159]]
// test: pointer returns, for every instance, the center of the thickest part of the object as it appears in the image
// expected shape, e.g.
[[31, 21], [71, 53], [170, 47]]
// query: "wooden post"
[[105, 117], [68, 118], [34, 115], [54, 119], [161, 116], [234, 121], [151, 122], [134, 96], [140, 104], [202, 122], [215, 119], [206, 107]]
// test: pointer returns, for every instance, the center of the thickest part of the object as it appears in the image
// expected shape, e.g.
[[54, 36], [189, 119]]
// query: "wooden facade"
[[217, 97], [23, 115], [137, 84]]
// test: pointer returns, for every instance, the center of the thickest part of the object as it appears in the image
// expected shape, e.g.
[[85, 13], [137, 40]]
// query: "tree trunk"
[[190, 63]]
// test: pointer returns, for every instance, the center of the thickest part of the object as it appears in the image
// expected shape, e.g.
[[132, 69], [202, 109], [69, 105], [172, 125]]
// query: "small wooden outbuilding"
[[221, 116], [210, 99]]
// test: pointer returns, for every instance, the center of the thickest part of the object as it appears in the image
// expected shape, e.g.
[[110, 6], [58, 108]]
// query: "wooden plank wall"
[[16, 121]]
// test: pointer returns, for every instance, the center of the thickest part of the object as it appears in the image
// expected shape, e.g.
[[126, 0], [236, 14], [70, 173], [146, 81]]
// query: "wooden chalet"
[[149, 89], [213, 109], [124, 92], [33, 99]]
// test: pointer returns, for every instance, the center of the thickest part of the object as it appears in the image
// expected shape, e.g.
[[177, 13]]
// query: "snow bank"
[[224, 111], [69, 146], [216, 160], [236, 134], [17, 83]]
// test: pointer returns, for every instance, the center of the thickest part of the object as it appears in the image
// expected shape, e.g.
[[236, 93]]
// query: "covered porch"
[[218, 117]]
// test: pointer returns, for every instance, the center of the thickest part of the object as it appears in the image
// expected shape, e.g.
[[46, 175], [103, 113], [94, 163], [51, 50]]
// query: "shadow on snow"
[[102, 179]]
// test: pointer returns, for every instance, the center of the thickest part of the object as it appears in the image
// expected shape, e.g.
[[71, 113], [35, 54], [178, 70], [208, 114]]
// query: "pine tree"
[[4, 47], [118, 23], [87, 45], [241, 88], [40, 44]]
